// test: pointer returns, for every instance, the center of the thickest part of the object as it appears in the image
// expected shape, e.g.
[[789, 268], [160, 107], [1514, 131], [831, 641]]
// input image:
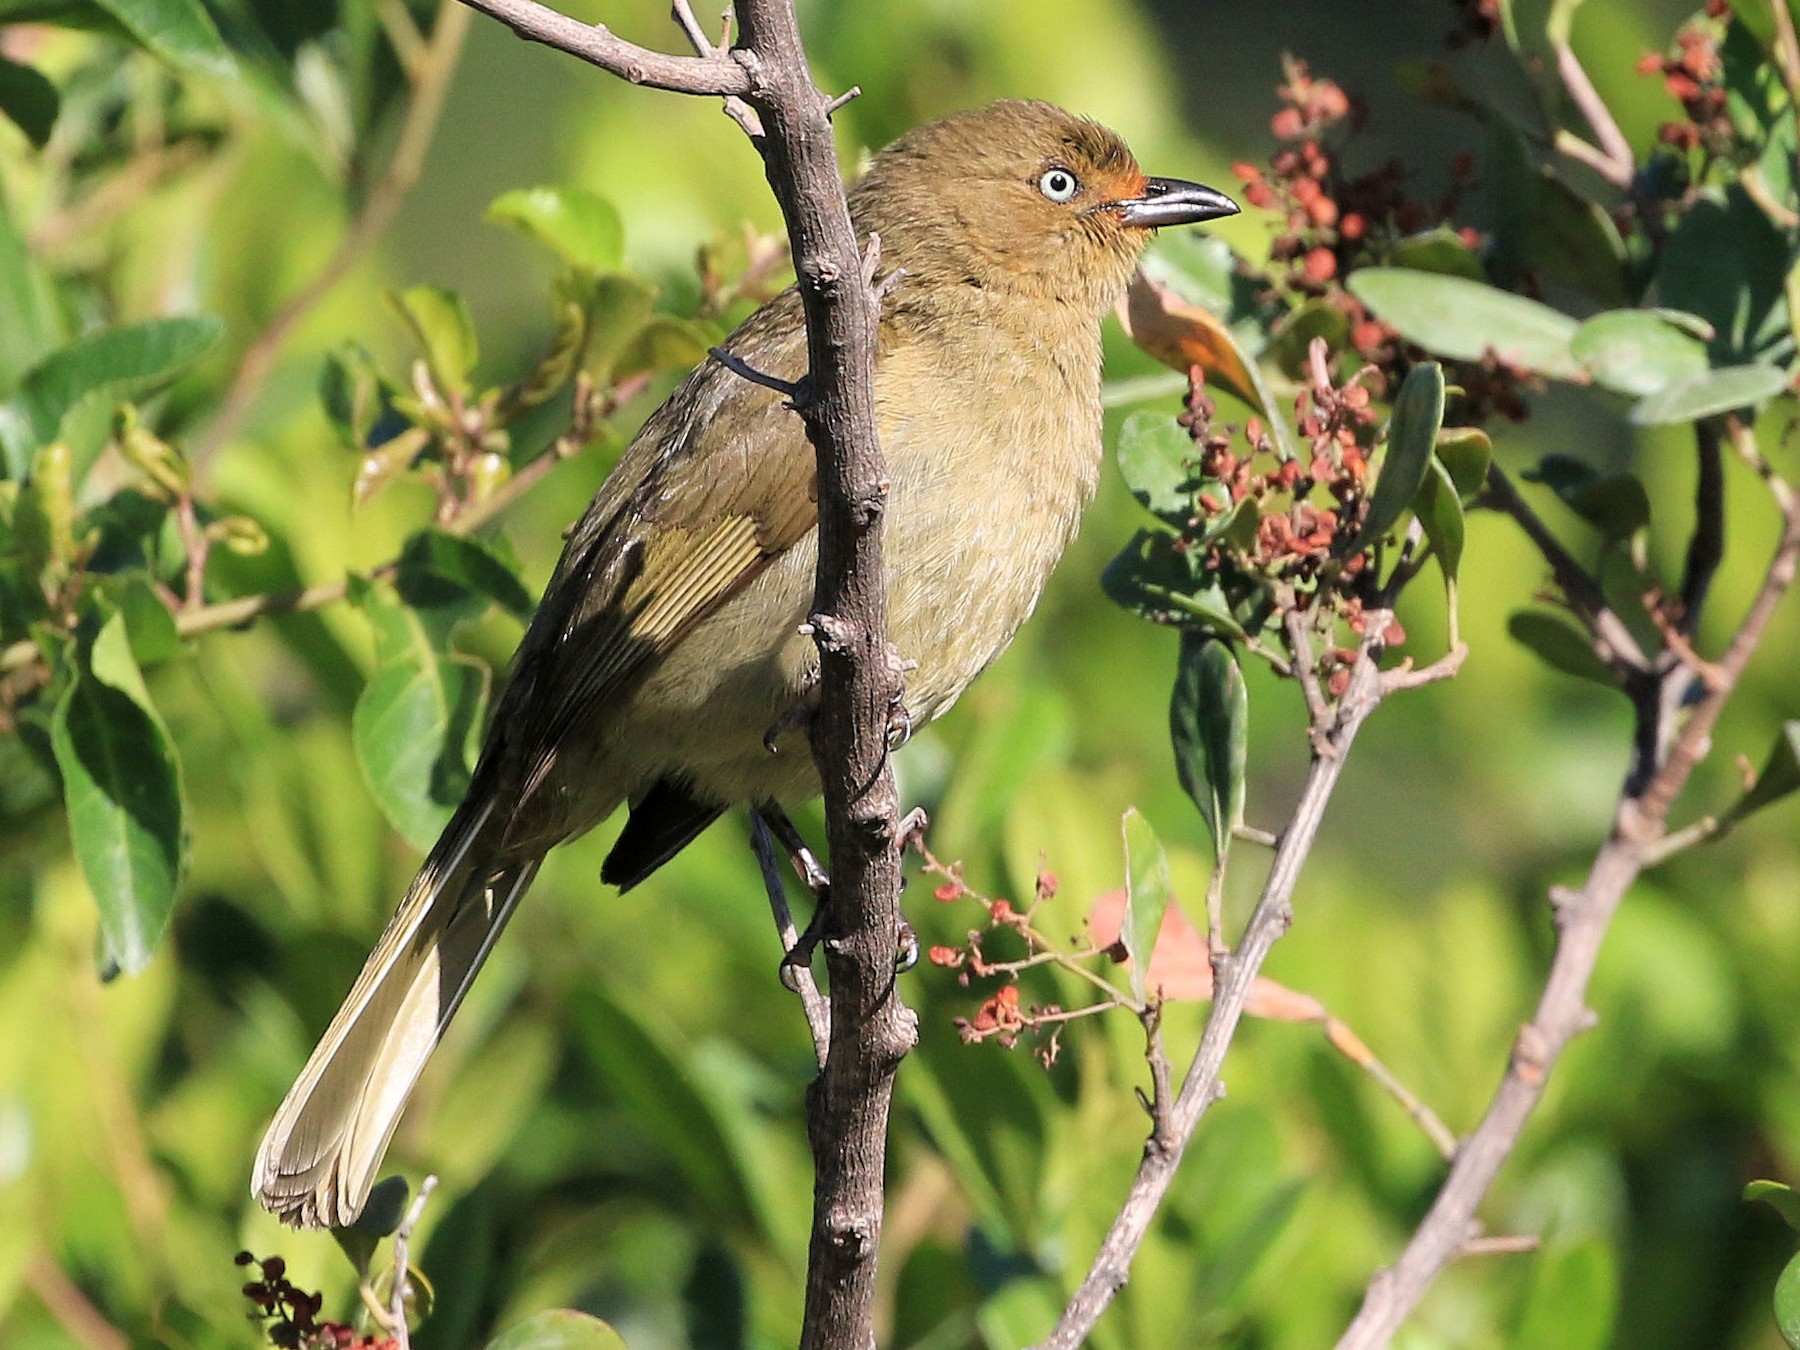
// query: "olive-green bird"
[[668, 644]]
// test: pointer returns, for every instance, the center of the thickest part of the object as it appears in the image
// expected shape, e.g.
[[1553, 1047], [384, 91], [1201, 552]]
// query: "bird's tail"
[[319, 1158]]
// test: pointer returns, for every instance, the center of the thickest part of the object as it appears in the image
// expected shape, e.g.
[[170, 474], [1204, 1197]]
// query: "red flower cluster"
[[1694, 77], [292, 1313]]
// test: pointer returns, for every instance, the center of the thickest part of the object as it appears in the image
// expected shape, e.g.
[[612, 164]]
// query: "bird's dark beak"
[[1173, 201]]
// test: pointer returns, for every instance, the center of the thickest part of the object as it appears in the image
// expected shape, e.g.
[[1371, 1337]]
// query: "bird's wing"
[[719, 482]]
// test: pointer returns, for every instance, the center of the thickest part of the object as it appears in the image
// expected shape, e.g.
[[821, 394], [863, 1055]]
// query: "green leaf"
[[1146, 896], [122, 790], [32, 325], [1780, 776], [1465, 453], [1156, 459], [1546, 228], [1787, 1302], [356, 397], [29, 100], [417, 724], [1438, 250], [1209, 719], [179, 31], [619, 307], [1440, 512], [70, 394], [583, 228], [1317, 318], [1560, 645], [1412, 436], [1465, 320], [1727, 263], [440, 324], [1710, 393], [559, 1329], [664, 343], [1156, 581], [148, 622], [1780, 1196], [1615, 504], [1637, 351], [437, 567]]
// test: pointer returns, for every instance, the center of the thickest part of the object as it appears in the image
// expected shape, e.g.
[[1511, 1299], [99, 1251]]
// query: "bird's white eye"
[[1058, 185]]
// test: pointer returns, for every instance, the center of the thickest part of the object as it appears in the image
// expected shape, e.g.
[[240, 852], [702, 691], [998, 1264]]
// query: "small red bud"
[[1320, 265]]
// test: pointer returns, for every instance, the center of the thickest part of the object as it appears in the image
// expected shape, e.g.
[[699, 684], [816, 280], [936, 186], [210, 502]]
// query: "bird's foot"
[[793, 718]]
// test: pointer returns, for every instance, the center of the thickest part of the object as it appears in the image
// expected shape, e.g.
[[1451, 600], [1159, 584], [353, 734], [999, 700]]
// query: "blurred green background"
[[616, 1115]]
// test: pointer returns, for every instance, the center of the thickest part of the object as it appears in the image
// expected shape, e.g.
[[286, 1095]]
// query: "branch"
[[1582, 916], [871, 1030], [1615, 162], [598, 46], [1235, 974]]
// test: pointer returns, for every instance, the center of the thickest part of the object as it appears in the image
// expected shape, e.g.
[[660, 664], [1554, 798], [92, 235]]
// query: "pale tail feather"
[[319, 1158]]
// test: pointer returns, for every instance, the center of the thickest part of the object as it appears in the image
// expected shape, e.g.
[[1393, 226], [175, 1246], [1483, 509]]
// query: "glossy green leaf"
[[440, 323], [1209, 719], [122, 790], [1156, 581], [1465, 453], [1440, 512], [84, 381], [437, 567], [1412, 437], [1560, 645], [559, 1329], [1466, 320], [583, 228], [1156, 459], [1146, 896], [1780, 1196], [417, 723], [1712, 392], [1572, 1299], [1779, 776], [1637, 351], [28, 100], [180, 31], [1787, 1302]]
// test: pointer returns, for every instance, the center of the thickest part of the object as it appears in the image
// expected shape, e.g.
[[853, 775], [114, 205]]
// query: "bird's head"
[[1021, 196]]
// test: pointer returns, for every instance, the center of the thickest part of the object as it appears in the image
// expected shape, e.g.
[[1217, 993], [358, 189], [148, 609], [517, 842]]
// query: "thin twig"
[[73, 1310], [1619, 164], [1201, 1087], [812, 1002], [402, 1289], [430, 75], [1582, 917]]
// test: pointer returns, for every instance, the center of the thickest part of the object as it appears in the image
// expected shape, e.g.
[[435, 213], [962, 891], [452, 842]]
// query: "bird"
[[662, 669]]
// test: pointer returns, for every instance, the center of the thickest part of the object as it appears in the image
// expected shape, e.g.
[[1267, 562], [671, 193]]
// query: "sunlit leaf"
[[583, 228], [664, 343], [559, 1329], [1787, 1302], [1209, 718], [1158, 582], [98, 372], [1571, 1303], [1711, 393], [1637, 351], [1780, 1196], [1441, 250], [440, 324], [417, 722], [1439, 509], [122, 790], [1466, 320], [1465, 453], [180, 31], [1156, 459], [1146, 896], [1779, 776]]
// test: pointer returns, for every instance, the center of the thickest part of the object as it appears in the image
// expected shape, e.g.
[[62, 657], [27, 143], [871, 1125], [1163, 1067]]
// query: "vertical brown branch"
[[870, 1029]]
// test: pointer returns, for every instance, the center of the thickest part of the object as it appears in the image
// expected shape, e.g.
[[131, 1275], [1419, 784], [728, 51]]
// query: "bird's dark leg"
[[797, 977], [798, 958]]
